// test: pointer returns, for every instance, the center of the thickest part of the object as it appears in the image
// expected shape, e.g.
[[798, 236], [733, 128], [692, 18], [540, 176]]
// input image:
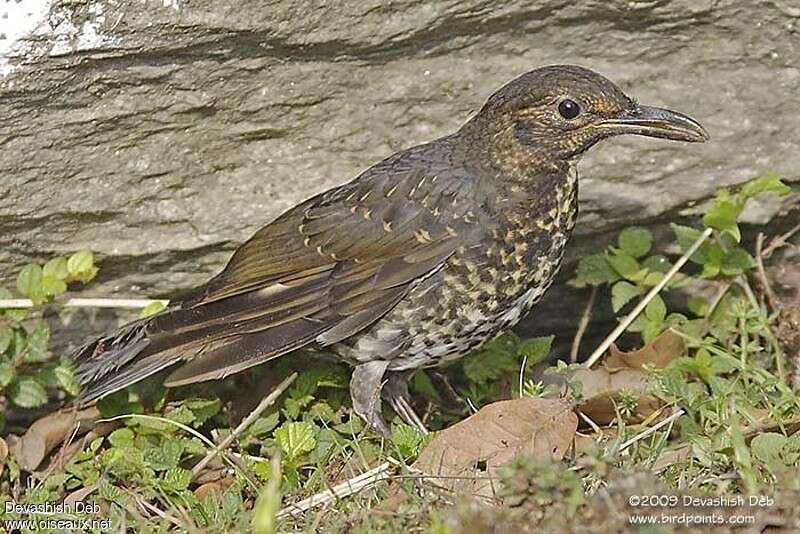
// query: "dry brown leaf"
[[670, 457], [622, 371], [659, 352], [601, 388], [47, 433], [79, 495], [218, 486], [471, 451]]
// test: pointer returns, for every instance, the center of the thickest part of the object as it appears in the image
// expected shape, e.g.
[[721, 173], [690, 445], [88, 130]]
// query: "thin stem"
[[246, 422], [584, 322], [85, 303]]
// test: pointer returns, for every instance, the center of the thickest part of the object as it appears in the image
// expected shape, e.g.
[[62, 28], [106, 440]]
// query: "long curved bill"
[[657, 122]]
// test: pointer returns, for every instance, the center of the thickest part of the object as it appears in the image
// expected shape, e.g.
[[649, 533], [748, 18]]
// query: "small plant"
[[28, 370]]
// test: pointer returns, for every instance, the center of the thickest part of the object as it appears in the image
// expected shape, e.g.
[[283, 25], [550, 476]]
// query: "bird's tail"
[[134, 352], [100, 361]]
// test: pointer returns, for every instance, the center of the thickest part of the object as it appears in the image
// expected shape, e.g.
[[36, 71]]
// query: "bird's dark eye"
[[569, 109]]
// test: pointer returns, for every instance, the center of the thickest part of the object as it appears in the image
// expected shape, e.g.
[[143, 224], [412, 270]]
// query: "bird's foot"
[[396, 392], [365, 391]]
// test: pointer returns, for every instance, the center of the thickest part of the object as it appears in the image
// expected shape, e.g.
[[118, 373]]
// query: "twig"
[[247, 421], [779, 241], [623, 325], [345, 489], [155, 510], [522, 374], [651, 430], [762, 273], [85, 303], [591, 423], [584, 322]]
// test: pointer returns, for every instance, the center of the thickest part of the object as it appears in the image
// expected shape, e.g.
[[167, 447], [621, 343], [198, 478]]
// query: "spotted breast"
[[485, 287]]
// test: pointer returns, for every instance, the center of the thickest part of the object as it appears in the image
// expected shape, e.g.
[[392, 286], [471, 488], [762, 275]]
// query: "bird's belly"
[[453, 313]]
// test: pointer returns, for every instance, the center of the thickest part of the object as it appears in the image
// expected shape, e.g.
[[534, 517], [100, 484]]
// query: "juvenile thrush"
[[419, 260]]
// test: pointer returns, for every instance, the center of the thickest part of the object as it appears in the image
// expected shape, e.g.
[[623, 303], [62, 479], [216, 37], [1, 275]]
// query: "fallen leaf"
[[47, 433], [218, 486], [79, 495], [468, 454], [671, 457], [658, 353], [602, 389], [623, 372]]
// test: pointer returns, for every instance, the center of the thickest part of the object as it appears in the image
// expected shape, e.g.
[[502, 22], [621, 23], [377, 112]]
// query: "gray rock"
[[162, 133]]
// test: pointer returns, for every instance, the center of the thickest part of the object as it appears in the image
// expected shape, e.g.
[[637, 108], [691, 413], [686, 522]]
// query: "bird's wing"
[[321, 272]]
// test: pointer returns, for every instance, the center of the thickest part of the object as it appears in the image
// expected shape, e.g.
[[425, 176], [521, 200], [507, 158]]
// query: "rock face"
[[160, 134]]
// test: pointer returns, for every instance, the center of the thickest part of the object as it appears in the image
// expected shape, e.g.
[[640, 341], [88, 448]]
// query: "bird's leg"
[[396, 392], [365, 391]]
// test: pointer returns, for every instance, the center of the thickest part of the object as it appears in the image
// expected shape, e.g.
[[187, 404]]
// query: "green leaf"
[[37, 343], [164, 457], [264, 424], [352, 427], [114, 404], [626, 266], [121, 437], [635, 241], [535, 349], [181, 414], [767, 448], [723, 216], [177, 478], [736, 261], [56, 268], [790, 453], [407, 439], [651, 330], [81, 266], [657, 264], [305, 385], [622, 293], [656, 310], [698, 306], [295, 439], [153, 308], [27, 393], [594, 270], [6, 336], [323, 411], [203, 409], [29, 282], [65, 377], [52, 286], [496, 358], [767, 183], [686, 236], [7, 372]]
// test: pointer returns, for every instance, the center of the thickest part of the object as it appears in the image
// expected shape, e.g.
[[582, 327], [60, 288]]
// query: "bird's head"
[[560, 111]]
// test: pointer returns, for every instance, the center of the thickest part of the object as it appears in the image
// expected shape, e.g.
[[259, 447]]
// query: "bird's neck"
[[514, 175], [492, 144]]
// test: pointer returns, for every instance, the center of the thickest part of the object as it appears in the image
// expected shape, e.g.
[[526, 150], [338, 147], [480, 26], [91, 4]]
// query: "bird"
[[417, 261]]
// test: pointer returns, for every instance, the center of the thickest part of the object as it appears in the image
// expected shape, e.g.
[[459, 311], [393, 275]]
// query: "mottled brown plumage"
[[420, 259]]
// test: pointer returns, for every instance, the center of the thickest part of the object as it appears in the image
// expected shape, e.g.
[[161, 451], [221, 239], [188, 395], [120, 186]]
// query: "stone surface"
[[162, 133]]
